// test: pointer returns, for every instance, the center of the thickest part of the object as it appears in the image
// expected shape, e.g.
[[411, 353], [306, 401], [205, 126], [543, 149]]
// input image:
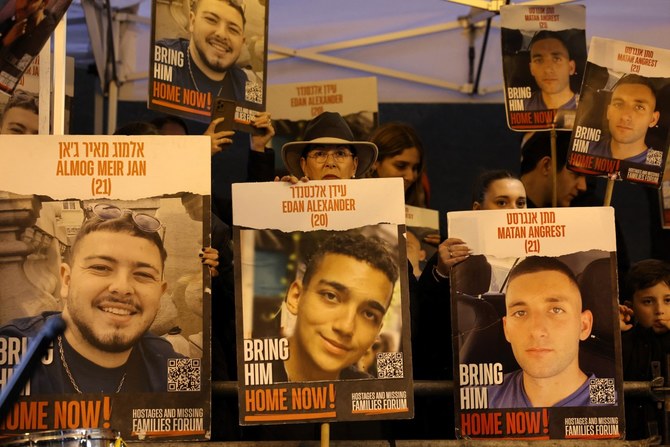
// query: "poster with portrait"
[[421, 222], [25, 26], [104, 232], [208, 49], [323, 301], [544, 53], [537, 347], [27, 90], [622, 128], [293, 105]]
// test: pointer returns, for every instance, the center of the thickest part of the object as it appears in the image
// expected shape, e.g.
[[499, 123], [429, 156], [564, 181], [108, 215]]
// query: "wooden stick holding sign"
[[325, 434], [608, 190], [554, 175]]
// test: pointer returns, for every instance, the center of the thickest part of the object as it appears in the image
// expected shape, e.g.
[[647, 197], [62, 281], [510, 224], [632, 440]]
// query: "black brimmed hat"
[[329, 128]]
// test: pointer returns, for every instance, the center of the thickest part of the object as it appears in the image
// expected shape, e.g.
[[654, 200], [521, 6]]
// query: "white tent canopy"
[[419, 50]]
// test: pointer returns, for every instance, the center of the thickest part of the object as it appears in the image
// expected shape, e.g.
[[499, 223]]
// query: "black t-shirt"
[[92, 378]]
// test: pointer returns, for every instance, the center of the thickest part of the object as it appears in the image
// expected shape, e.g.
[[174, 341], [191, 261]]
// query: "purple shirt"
[[511, 394], [535, 102], [603, 148]]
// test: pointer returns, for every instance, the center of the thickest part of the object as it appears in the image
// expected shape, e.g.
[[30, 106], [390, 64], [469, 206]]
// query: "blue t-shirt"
[[603, 148], [535, 102], [511, 394]]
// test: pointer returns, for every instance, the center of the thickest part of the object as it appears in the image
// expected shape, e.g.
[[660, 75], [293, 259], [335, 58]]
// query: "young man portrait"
[[544, 324], [551, 65], [207, 61], [111, 287], [631, 112], [339, 306]]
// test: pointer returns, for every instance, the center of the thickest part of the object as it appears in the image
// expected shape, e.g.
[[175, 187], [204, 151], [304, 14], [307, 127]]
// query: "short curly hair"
[[371, 250], [123, 224]]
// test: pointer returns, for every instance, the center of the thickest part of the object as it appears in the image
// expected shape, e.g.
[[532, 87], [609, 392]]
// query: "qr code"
[[253, 92], [183, 374], [389, 365], [654, 157], [601, 392]]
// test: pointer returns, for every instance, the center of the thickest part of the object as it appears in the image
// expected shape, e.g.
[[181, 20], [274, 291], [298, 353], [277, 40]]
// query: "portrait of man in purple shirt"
[[544, 324], [631, 112]]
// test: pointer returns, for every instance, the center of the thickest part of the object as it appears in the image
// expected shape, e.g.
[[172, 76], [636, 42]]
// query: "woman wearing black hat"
[[328, 151]]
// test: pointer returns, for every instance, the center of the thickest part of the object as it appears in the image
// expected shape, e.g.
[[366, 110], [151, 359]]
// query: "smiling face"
[[652, 307], [551, 66], [631, 112], [329, 162], [339, 314], [406, 164], [112, 291], [217, 35], [544, 323]]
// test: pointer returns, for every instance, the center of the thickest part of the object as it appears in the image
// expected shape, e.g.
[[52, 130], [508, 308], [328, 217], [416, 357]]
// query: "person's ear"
[[375, 165], [586, 325], [655, 116], [293, 296], [476, 205], [191, 20], [545, 165], [65, 277], [356, 164], [573, 67]]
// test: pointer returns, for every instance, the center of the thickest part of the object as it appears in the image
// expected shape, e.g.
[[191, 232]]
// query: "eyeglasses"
[[143, 221], [320, 156]]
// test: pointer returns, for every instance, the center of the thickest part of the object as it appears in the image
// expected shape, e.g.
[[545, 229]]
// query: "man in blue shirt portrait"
[[544, 324], [632, 110]]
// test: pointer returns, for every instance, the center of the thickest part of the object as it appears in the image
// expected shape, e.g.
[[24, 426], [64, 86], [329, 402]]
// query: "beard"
[[115, 342], [215, 63]]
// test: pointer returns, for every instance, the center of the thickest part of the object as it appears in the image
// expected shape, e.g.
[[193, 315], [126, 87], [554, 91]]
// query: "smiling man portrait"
[[207, 62], [339, 305], [111, 286]]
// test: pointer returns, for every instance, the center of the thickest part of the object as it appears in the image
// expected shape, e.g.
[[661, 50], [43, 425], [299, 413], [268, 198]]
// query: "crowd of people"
[[114, 273], [328, 150]]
